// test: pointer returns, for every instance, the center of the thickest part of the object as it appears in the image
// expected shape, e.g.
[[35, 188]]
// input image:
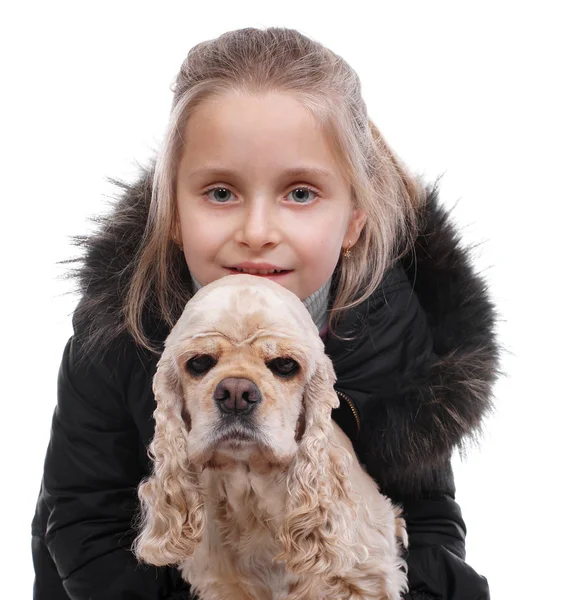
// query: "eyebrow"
[[293, 172]]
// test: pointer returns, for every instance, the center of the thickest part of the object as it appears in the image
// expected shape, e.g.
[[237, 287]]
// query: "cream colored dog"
[[256, 493]]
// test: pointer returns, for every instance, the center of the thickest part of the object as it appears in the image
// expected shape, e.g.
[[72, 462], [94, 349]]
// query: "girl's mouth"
[[270, 273]]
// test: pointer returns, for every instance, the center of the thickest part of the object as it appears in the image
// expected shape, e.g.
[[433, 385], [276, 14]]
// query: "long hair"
[[280, 60]]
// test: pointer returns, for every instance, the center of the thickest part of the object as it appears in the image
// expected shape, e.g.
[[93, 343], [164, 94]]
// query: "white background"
[[485, 93]]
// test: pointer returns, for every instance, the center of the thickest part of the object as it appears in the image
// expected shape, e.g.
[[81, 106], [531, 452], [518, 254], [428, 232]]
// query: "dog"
[[255, 493]]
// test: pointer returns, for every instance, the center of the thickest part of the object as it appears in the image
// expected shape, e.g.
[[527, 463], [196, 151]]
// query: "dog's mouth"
[[235, 436], [235, 445]]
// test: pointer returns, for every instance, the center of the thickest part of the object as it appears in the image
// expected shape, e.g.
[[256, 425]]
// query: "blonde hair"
[[279, 60]]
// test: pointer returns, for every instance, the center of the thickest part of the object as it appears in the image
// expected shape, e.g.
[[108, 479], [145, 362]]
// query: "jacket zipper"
[[350, 403]]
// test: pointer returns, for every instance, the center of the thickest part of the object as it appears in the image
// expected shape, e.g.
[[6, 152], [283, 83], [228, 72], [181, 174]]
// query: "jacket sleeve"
[[436, 553], [91, 473]]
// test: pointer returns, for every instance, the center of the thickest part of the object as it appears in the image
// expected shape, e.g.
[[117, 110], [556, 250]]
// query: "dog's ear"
[[172, 516], [317, 535]]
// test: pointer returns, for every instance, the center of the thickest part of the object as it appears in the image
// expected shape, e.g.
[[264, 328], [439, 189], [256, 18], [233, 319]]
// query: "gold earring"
[[176, 242], [346, 253]]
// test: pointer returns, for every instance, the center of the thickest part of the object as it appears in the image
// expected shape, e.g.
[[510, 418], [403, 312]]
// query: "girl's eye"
[[221, 197], [300, 195]]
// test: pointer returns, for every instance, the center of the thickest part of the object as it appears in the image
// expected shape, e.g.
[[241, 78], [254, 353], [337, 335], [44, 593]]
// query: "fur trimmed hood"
[[418, 380], [422, 370]]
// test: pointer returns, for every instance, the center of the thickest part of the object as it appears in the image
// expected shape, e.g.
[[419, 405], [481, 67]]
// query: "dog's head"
[[235, 369], [243, 377]]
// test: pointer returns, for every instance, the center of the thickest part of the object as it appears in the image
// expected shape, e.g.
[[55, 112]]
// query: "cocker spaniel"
[[256, 493]]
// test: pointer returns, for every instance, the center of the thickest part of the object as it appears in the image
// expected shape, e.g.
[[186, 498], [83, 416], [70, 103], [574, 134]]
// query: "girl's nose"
[[260, 225]]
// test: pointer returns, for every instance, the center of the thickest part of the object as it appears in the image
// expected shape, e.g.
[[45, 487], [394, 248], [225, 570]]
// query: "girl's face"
[[258, 189]]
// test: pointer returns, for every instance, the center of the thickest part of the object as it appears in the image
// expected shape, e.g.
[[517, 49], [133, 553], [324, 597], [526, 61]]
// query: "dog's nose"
[[236, 395]]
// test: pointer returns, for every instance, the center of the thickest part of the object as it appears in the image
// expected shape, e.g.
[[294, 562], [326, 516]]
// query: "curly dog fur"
[[264, 500]]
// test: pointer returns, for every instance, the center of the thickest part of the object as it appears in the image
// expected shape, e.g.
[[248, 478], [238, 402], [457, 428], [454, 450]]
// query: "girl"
[[270, 163]]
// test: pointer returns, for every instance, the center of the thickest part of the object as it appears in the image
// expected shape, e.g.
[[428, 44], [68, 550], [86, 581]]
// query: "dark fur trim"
[[107, 266], [439, 404]]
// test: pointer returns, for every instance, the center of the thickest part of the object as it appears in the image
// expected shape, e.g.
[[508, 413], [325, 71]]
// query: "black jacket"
[[414, 385]]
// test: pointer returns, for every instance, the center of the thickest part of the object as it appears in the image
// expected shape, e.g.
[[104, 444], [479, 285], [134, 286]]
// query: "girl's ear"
[[357, 221], [176, 234]]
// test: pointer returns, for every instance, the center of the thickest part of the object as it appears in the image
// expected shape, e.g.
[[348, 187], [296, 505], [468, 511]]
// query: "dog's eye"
[[198, 365], [285, 367]]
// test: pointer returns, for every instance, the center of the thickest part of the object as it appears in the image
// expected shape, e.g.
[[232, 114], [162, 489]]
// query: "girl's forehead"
[[256, 134]]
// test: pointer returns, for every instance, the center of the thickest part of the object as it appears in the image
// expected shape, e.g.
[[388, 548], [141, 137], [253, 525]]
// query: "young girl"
[[271, 166]]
